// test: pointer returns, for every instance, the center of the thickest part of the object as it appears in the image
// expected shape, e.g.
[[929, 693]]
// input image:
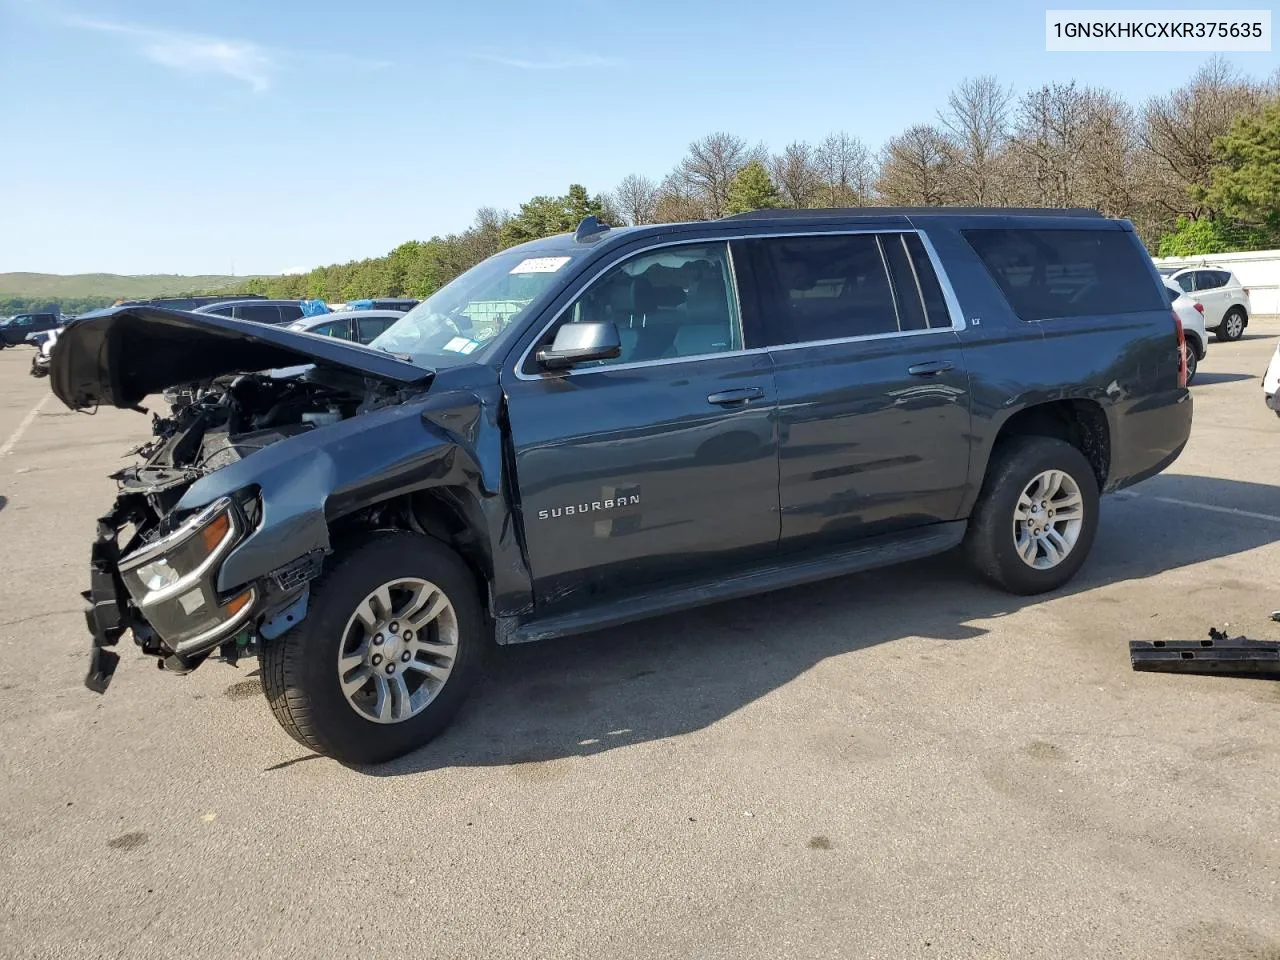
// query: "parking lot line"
[[22, 427], [1209, 506]]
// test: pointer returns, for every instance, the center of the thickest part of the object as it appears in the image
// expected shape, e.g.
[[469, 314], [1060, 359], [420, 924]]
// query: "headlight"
[[187, 551], [172, 580]]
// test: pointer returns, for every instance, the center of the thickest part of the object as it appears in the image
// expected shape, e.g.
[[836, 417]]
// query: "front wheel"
[[1036, 517], [393, 641], [1232, 326]]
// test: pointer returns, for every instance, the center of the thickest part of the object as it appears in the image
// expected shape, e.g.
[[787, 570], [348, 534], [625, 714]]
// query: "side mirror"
[[580, 342]]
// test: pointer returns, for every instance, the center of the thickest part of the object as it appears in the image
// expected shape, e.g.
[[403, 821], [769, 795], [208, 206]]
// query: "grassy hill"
[[109, 286]]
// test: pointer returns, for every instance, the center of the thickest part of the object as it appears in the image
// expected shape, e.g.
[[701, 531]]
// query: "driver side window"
[[666, 304]]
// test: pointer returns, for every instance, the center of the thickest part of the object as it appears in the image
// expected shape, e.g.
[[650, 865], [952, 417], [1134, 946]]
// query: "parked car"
[[23, 324], [1226, 303], [594, 428], [191, 303], [40, 360], [1271, 382], [360, 326], [271, 312], [1191, 314], [383, 303]]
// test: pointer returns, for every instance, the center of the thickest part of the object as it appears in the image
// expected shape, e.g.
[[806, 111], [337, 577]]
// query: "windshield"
[[455, 324]]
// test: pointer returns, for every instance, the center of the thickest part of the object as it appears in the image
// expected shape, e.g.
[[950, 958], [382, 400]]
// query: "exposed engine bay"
[[138, 557], [219, 423]]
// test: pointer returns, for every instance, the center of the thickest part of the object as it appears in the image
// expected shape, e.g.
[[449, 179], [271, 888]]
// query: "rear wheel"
[[1192, 361], [392, 643], [1036, 517], [1232, 326]]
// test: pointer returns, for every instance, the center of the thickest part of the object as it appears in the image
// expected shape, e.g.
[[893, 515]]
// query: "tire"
[[1193, 362], [1232, 326], [990, 540], [300, 669]]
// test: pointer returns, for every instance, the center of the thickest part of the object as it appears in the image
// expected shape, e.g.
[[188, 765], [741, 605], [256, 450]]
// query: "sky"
[[266, 136]]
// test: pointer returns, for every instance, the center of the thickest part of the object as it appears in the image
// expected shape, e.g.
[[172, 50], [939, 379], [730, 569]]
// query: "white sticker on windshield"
[[461, 345], [540, 265]]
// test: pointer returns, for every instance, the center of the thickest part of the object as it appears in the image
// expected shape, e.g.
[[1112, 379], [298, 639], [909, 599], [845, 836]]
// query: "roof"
[[842, 212], [233, 302], [346, 315]]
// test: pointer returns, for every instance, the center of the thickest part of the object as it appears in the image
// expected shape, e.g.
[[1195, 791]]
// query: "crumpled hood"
[[122, 355]]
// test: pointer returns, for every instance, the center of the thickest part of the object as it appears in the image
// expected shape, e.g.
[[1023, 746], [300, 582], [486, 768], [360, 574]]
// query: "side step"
[[867, 554]]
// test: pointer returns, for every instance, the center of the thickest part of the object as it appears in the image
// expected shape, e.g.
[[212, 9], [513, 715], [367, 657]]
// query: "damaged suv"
[[594, 428]]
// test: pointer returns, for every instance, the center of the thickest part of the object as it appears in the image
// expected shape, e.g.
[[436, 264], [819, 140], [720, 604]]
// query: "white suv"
[[1226, 303], [1271, 383]]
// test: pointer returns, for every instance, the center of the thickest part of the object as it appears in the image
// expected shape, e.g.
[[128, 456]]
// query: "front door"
[[873, 394], [660, 464]]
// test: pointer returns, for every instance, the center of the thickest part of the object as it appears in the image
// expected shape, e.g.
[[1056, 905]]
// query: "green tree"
[[1202, 236], [1244, 186], [546, 216], [752, 189]]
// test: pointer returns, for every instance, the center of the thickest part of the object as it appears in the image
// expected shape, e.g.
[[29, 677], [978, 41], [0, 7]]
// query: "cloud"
[[574, 62], [196, 53]]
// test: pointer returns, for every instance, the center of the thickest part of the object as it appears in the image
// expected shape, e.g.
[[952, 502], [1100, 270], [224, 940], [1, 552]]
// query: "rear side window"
[[258, 313], [829, 288], [930, 289], [289, 312], [919, 281], [1067, 273], [341, 329], [371, 327]]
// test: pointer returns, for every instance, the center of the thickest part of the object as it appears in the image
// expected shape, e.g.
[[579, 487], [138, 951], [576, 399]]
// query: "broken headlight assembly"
[[173, 580]]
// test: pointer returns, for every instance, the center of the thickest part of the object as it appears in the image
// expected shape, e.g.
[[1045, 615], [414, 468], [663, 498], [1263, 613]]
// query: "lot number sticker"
[[461, 345], [540, 265]]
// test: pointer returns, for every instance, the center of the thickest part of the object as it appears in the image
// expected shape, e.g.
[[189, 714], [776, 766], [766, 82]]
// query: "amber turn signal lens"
[[212, 534], [238, 603]]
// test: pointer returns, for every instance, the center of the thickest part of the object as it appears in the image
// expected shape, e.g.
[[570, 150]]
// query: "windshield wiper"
[[406, 357]]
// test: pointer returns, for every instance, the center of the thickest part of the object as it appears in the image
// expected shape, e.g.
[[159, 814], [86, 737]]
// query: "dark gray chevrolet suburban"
[[599, 427]]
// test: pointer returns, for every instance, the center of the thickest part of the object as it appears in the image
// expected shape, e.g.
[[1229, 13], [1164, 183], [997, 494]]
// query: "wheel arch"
[[1079, 421], [449, 513]]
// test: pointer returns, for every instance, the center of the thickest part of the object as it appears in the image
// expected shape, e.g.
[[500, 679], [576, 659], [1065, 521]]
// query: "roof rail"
[[588, 228], [919, 211]]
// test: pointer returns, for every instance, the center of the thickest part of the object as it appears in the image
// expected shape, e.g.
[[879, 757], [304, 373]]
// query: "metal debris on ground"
[[1219, 654]]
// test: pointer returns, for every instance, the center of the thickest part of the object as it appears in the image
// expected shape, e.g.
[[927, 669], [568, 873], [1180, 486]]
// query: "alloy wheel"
[[397, 650]]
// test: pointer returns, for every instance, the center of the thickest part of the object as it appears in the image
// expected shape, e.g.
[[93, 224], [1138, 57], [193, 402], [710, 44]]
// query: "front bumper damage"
[[183, 622], [107, 614]]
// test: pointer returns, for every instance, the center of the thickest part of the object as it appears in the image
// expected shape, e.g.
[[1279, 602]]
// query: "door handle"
[[930, 368], [727, 398]]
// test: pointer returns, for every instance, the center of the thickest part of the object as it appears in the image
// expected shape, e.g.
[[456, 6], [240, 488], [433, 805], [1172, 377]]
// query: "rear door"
[[661, 464], [1212, 294], [873, 395]]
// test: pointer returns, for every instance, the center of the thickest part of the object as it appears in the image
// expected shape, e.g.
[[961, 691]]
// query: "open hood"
[[122, 355]]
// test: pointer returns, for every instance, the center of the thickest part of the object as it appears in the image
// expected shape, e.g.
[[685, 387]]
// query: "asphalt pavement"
[[893, 765]]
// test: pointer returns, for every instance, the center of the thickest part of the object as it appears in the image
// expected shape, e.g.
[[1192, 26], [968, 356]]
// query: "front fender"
[[307, 481]]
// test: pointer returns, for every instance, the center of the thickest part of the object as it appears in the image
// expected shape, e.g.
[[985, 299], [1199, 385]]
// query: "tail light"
[[1182, 351], [1200, 307]]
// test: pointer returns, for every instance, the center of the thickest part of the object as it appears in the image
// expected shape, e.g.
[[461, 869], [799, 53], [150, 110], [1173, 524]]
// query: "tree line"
[[1197, 170]]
